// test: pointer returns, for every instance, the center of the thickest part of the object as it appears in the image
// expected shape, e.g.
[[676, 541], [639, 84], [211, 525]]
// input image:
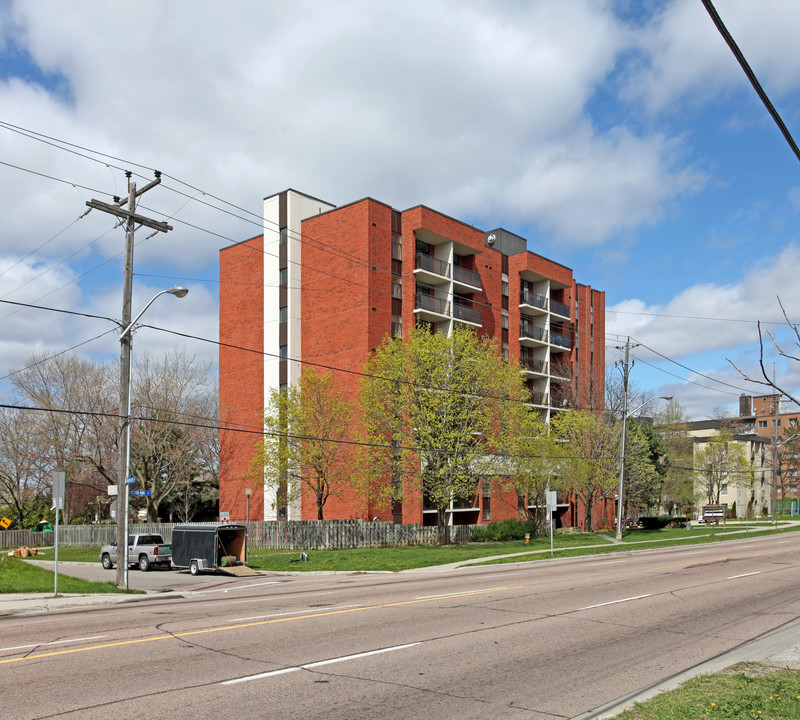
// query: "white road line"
[[783, 542], [241, 587], [294, 612], [453, 594], [692, 552], [321, 663], [609, 562], [614, 602], [733, 577], [55, 642]]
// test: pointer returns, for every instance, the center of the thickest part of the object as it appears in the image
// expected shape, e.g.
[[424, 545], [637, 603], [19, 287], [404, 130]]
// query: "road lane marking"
[[733, 577], [293, 612], [258, 623], [615, 602], [465, 592], [54, 642], [321, 663], [691, 552], [234, 589], [609, 562]]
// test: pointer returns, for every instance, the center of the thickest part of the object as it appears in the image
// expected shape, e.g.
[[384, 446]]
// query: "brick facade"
[[362, 271]]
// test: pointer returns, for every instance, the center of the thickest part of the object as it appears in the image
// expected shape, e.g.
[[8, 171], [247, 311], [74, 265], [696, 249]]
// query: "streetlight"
[[126, 345], [248, 492], [625, 416]]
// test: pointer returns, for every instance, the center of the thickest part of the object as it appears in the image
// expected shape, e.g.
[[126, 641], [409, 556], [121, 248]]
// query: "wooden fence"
[[292, 534]]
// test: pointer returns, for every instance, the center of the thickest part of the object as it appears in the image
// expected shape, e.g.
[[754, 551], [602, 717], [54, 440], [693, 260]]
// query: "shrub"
[[655, 523], [504, 530]]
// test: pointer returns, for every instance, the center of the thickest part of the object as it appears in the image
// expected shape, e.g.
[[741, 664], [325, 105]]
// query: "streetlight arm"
[[177, 291]]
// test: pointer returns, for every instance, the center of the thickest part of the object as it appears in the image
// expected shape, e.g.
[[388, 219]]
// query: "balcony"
[[539, 398], [559, 308], [562, 342], [530, 365], [530, 334], [430, 308], [560, 370], [533, 300], [431, 269], [466, 314], [466, 279]]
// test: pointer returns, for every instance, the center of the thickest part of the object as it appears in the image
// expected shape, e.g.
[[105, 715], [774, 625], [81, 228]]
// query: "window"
[[762, 423], [397, 251], [397, 290], [284, 314], [723, 489], [505, 321], [284, 352], [284, 276], [792, 422], [284, 236], [504, 290]]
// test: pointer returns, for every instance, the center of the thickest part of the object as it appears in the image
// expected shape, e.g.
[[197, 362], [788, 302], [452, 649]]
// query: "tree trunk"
[[588, 525], [320, 504], [441, 521]]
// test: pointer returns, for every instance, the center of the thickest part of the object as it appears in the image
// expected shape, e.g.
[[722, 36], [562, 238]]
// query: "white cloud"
[[683, 54]]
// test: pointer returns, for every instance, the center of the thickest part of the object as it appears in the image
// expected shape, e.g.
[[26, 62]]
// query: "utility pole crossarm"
[[128, 215]]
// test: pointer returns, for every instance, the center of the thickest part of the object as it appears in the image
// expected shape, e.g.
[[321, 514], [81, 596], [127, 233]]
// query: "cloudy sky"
[[620, 138]]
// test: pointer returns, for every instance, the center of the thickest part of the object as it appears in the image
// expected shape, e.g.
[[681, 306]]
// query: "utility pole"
[[126, 343], [775, 461], [626, 368]]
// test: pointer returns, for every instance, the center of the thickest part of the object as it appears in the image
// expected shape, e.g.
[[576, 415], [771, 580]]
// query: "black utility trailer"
[[209, 547]]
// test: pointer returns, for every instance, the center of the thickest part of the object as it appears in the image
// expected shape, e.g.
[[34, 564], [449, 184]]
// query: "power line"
[[751, 76]]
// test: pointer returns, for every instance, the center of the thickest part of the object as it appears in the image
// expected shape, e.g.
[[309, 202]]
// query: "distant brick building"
[[326, 284]]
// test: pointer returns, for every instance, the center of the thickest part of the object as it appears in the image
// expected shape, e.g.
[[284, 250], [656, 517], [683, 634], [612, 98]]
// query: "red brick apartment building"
[[326, 284]]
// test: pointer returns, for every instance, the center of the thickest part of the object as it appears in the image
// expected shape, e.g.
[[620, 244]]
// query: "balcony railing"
[[526, 297], [432, 265], [467, 277], [467, 314], [539, 398], [560, 340], [533, 332], [559, 308], [560, 370], [431, 304], [537, 366]]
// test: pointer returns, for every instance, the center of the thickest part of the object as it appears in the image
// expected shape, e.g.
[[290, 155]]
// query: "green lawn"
[[17, 576], [393, 559], [748, 690]]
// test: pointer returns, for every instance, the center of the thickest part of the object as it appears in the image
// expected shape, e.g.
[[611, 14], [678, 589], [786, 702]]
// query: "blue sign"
[[130, 480], [145, 493]]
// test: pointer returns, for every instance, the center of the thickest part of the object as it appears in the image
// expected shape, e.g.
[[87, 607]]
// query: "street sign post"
[[59, 490], [551, 501]]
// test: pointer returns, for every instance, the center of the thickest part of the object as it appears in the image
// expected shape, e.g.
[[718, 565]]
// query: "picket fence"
[[291, 534]]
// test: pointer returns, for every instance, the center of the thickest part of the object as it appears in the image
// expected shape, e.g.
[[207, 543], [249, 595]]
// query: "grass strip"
[[747, 690], [17, 576]]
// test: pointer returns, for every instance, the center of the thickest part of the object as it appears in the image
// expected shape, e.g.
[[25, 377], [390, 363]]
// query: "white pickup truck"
[[143, 550]]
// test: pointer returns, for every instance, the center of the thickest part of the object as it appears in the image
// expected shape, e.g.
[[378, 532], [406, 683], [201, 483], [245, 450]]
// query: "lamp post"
[[248, 492], [126, 345], [625, 416]]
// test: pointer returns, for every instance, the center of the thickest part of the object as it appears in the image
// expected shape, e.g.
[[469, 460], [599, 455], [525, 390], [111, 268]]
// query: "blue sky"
[[620, 138]]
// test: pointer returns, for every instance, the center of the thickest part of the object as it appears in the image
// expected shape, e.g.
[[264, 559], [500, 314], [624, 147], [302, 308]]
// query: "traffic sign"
[[130, 480], [145, 493]]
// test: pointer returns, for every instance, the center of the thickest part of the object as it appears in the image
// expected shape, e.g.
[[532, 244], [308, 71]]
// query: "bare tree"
[[170, 425], [766, 379]]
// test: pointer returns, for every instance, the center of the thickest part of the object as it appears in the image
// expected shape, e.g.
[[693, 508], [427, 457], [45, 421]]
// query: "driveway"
[[156, 579]]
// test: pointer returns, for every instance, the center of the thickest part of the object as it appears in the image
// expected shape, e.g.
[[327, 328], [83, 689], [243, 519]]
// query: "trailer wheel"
[[194, 569], [144, 563], [107, 564]]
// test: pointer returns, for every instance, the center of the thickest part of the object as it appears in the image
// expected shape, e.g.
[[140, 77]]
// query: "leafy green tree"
[[678, 481], [438, 412], [533, 469], [305, 445], [645, 467], [722, 461], [589, 457]]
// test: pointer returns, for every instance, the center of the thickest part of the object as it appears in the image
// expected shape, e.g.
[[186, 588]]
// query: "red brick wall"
[[241, 373], [346, 309]]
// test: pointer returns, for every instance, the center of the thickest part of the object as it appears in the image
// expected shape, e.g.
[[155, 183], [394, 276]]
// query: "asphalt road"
[[553, 639]]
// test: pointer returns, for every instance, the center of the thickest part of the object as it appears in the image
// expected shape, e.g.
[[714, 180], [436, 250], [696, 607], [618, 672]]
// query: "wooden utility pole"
[[126, 345]]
